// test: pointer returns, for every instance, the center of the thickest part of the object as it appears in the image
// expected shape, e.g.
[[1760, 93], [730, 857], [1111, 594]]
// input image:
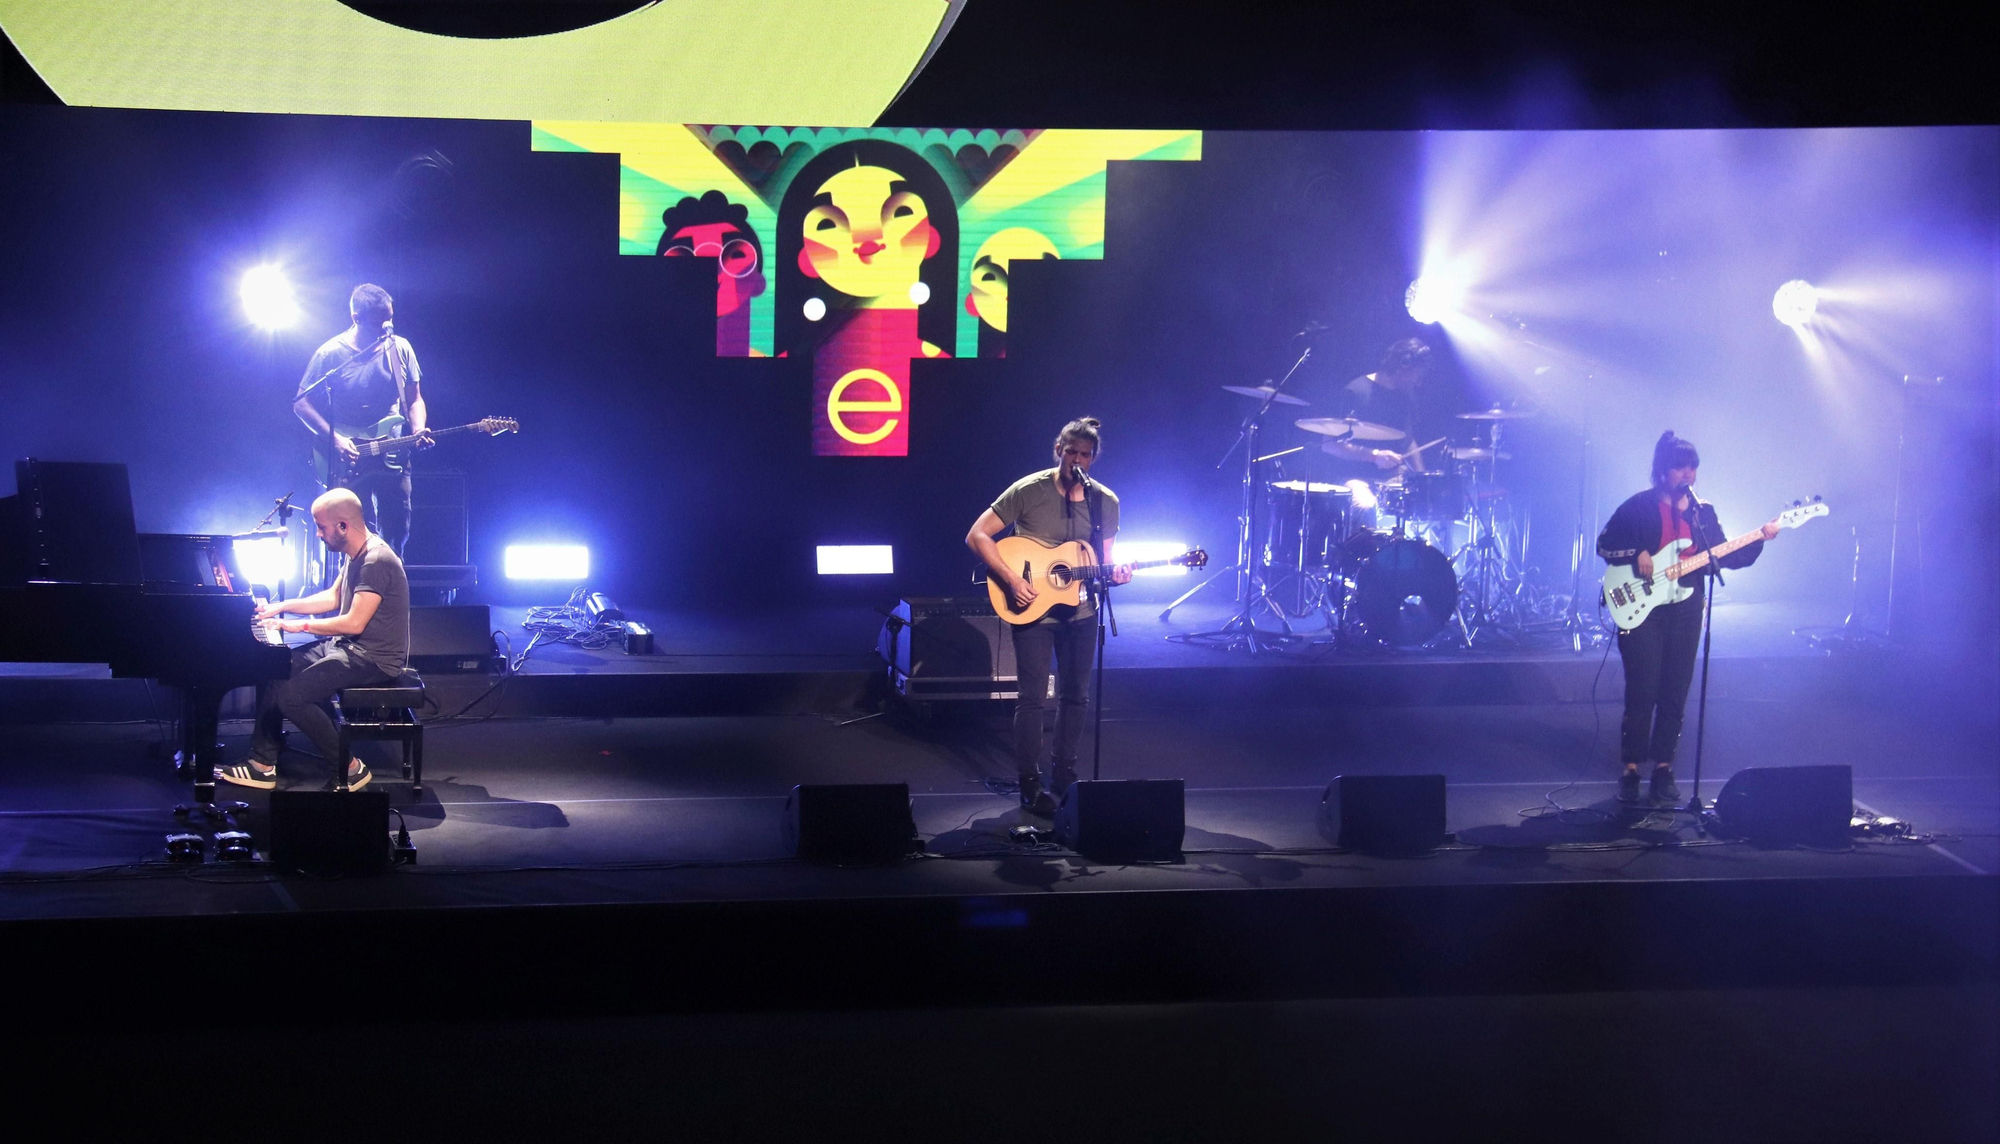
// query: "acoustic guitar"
[[1059, 572]]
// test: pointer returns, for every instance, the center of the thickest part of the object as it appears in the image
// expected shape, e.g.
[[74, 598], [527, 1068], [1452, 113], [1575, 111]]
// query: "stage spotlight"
[[547, 562], [1795, 303], [267, 297], [1431, 298], [1134, 551], [856, 559], [263, 560]]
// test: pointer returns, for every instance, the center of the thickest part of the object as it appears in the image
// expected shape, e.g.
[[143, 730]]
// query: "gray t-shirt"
[[1036, 507], [385, 642], [364, 389]]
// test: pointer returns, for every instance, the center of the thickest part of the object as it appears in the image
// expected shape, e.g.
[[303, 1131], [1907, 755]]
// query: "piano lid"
[[70, 522]]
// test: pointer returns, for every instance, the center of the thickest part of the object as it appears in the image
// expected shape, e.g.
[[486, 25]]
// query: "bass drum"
[[1404, 590]]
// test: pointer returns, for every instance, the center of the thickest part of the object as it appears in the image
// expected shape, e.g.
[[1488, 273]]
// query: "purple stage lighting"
[[268, 300], [1795, 303], [1431, 298]]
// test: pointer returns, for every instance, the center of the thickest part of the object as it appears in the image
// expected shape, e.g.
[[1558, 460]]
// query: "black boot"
[[1665, 791], [1628, 786], [1061, 777], [1034, 799]]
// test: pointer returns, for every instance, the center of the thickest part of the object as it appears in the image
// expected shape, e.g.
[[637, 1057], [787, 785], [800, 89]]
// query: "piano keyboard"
[[267, 633]]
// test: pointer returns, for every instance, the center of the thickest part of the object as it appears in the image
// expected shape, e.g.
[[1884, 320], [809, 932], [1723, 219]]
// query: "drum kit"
[[1428, 554]]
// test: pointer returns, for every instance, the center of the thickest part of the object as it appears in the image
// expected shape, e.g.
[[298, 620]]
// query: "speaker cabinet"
[[330, 832], [1785, 805], [850, 823], [948, 647], [1384, 814], [451, 638], [1124, 820]]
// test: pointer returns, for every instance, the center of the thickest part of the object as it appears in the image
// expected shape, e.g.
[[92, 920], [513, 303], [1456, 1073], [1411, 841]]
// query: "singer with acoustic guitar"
[[1659, 653], [1054, 507], [365, 382]]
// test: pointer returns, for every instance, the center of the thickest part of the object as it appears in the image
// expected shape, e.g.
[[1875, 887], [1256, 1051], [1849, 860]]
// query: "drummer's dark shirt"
[[1367, 400]]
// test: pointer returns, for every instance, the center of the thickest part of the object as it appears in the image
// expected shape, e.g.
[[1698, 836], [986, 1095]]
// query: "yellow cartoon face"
[[867, 236], [988, 298]]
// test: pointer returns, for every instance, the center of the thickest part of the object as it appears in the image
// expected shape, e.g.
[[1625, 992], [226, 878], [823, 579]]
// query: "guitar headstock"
[[1802, 511], [498, 425], [1193, 558]]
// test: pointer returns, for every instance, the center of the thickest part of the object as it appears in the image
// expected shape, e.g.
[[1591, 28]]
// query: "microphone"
[[388, 329]]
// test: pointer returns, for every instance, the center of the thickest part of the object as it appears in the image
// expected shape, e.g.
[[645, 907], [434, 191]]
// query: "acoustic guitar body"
[[1046, 568]]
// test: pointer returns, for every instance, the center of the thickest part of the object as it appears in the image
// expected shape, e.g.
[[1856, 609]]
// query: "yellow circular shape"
[[835, 406], [678, 61]]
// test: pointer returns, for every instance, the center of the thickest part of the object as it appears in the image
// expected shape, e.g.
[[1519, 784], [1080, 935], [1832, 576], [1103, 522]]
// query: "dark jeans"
[[1072, 643], [1659, 665], [319, 671]]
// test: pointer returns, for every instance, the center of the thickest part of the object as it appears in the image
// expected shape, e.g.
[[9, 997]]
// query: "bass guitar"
[[383, 444], [1630, 596], [1058, 573]]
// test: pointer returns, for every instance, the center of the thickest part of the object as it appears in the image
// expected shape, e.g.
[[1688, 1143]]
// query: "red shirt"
[[1673, 525]]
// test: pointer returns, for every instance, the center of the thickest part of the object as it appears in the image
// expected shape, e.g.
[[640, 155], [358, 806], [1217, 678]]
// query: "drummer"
[[1388, 397]]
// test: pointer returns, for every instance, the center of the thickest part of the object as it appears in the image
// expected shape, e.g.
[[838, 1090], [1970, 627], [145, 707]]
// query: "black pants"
[[1072, 644], [1659, 666], [319, 671]]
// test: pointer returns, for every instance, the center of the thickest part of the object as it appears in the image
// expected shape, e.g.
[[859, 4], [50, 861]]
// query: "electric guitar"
[[1631, 596], [381, 447], [1058, 572]]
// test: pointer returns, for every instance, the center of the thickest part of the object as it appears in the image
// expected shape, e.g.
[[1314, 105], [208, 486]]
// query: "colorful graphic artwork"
[[862, 248]]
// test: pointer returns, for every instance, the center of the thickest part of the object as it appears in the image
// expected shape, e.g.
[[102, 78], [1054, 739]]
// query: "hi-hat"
[[1260, 392], [1496, 415], [1348, 428]]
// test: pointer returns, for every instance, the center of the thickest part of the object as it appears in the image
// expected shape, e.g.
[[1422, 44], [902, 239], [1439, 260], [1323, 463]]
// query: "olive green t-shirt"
[[1035, 506]]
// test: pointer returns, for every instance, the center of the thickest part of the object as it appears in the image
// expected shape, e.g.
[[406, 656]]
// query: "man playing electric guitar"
[[365, 382], [1659, 653], [1053, 506]]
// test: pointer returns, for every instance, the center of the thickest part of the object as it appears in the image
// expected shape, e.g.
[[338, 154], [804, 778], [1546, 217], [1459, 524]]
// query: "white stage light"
[[1430, 298], [1795, 303], [263, 560], [267, 297], [548, 562], [1134, 551], [856, 559]]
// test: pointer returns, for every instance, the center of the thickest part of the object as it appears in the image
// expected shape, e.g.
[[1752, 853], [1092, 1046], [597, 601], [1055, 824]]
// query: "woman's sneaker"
[[243, 774], [1628, 787]]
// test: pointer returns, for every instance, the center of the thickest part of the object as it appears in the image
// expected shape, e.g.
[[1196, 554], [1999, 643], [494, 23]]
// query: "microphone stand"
[[1100, 592], [1694, 806]]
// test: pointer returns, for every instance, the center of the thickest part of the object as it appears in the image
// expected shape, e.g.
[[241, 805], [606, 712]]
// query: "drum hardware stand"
[[1252, 586]]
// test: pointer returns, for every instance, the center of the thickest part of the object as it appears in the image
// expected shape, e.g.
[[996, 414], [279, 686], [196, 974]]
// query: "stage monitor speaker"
[[330, 832], [948, 647], [850, 823], [1384, 814], [1784, 805], [1124, 820], [451, 638]]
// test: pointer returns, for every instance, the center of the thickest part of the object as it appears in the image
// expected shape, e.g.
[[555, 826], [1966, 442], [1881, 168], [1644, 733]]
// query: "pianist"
[[368, 642]]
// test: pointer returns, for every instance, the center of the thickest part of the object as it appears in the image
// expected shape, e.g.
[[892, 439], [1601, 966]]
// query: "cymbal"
[[1348, 428], [1478, 454], [1260, 392], [1496, 415], [1316, 487]]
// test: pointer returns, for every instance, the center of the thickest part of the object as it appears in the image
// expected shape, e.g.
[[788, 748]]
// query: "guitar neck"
[[1700, 560], [391, 444], [1106, 569]]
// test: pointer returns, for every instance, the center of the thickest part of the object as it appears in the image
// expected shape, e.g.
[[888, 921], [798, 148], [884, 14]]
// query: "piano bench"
[[386, 711]]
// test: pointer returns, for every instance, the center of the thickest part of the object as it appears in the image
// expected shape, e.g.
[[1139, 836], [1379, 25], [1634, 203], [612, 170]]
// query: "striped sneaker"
[[244, 774]]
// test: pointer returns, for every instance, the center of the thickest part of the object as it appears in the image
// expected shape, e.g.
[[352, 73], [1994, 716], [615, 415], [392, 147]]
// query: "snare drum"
[[1290, 503]]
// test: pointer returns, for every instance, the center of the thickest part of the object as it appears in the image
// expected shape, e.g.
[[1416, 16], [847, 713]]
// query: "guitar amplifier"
[[948, 647]]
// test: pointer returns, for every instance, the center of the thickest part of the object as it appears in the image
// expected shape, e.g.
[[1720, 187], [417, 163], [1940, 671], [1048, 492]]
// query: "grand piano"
[[80, 584]]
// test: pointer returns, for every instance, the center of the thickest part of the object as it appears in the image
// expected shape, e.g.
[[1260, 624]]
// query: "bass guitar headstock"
[[495, 426], [1802, 511]]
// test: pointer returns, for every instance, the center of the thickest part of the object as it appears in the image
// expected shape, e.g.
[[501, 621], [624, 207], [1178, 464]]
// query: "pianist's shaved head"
[[338, 518]]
